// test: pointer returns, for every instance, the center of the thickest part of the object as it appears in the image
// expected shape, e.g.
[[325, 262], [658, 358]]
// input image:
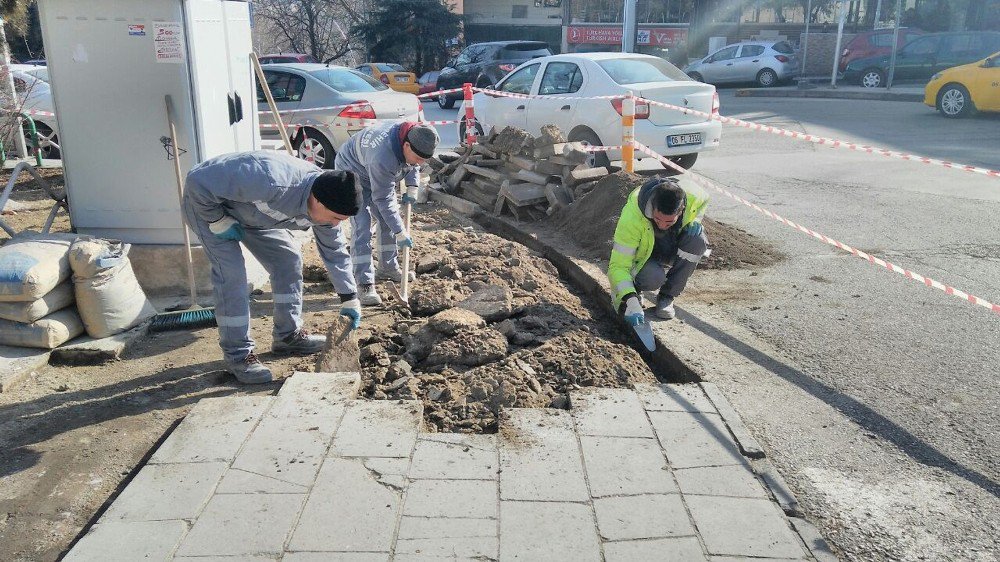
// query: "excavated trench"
[[491, 325]]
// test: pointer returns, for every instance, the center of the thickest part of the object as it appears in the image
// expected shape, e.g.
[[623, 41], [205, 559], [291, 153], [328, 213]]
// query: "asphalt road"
[[875, 395]]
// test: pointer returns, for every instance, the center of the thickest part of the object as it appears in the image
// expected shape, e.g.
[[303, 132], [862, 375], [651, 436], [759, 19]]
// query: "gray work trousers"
[[362, 225], [278, 252], [671, 277]]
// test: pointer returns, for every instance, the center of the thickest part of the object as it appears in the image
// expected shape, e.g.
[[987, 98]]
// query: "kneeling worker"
[[256, 198], [658, 243]]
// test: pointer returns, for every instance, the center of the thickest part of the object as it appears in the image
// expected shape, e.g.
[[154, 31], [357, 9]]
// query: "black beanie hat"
[[338, 191]]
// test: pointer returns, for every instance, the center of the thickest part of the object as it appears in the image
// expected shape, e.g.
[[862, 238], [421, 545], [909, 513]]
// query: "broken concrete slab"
[[743, 527], [642, 517], [341, 353], [243, 524], [129, 540], [86, 350], [453, 319], [493, 303], [213, 431], [167, 491], [378, 429]]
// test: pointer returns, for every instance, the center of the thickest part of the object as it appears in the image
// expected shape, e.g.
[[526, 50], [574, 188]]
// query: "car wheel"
[[767, 78], [444, 102], [313, 146], [954, 101], [696, 77], [44, 132], [685, 161], [588, 137], [462, 130], [873, 78]]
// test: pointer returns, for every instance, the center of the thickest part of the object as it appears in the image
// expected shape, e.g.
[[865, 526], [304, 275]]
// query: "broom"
[[194, 316]]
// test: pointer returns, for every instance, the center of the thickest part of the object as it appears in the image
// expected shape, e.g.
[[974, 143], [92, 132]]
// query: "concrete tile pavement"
[[650, 473]]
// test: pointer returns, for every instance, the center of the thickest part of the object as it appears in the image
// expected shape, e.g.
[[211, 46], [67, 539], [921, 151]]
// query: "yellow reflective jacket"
[[634, 238]]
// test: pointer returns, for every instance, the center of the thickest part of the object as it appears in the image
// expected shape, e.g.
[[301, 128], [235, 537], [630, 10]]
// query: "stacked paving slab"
[[314, 474]]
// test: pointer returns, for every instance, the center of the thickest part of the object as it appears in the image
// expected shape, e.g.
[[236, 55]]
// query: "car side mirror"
[[988, 63]]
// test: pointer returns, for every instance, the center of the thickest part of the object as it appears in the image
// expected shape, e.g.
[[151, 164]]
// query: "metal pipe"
[[629, 27], [840, 38], [805, 48], [895, 45]]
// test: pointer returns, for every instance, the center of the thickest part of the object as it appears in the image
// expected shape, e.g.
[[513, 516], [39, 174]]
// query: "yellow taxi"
[[392, 75], [960, 90]]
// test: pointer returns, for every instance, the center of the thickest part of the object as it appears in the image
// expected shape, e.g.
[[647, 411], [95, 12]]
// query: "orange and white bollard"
[[470, 115], [628, 132]]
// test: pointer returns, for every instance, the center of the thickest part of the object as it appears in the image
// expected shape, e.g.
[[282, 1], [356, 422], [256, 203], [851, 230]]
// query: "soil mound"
[[735, 248], [591, 220]]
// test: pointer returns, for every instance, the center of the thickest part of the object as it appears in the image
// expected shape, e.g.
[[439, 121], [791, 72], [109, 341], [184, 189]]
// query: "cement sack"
[[32, 264], [27, 312], [48, 333], [108, 296]]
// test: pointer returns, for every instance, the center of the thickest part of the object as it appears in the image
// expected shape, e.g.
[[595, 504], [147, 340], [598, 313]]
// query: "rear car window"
[[633, 71], [523, 51], [383, 67], [783, 47], [751, 50], [344, 80]]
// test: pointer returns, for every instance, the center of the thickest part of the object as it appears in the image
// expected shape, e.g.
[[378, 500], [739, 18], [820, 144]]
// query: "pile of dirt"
[[591, 222], [490, 326]]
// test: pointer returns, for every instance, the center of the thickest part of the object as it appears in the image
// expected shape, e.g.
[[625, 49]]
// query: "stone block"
[[674, 398], [238, 525], [348, 511], [474, 499], [422, 538], [446, 528], [390, 472], [493, 302], [321, 387], [743, 527], [167, 491], [128, 540], [695, 439], [686, 549], [332, 557], [749, 446], [86, 350], [539, 457], [470, 457], [378, 429], [624, 466], [243, 482], [614, 412], [734, 481], [642, 517], [213, 430], [550, 531]]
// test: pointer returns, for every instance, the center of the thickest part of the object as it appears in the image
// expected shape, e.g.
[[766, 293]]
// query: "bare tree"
[[315, 27]]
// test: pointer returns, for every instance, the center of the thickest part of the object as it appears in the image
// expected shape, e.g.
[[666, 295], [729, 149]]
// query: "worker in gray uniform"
[[256, 198], [380, 156]]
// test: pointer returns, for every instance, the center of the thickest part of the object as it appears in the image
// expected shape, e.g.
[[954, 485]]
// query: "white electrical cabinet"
[[111, 63]]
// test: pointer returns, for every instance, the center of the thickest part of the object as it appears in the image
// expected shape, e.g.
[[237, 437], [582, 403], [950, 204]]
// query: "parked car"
[[924, 56], [958, 91], [281, 58], [308, 88], [765, 62], [392, 75], [874, 43], [560, 80], [428, 82], [35, 93], [484, 64]]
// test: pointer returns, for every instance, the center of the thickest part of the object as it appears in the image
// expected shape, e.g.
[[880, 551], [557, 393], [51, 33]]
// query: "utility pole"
[[629, 27], [805, 48], [895, 44], [840, 38], [567, 19], [11, 94], [878, 14]]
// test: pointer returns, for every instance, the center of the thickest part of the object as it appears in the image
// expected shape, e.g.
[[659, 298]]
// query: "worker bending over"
[[380, 156], [658, 243], [256, 198]]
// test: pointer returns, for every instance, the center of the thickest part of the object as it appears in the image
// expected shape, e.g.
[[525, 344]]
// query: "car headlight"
[[935, 77]]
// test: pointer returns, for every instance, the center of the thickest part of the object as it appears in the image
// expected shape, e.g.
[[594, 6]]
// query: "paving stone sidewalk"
[[313, 474]]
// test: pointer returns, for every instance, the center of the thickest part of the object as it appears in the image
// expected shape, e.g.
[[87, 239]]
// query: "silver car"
[[305, 93], [765, 62]]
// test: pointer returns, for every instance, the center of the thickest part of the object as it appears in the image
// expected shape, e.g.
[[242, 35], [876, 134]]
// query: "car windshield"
[[524, 51], [783, 47], [348, 81], [633, 71], [385, 67]]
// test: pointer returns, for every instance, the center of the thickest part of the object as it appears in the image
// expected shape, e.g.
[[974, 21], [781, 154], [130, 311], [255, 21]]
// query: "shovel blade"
[[397, 295], [645, 333]]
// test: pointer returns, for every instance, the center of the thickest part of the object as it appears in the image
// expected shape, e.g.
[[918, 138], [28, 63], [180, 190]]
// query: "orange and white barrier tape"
[[37, 112], [700, 180], [833, 143], [439, 92], [559, 97]]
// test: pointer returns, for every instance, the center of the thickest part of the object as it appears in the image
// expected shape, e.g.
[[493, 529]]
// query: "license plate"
[[402, 79], [684, 140]]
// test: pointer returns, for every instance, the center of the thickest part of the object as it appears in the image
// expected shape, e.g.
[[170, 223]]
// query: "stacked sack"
[[41, 276], [36, 292]]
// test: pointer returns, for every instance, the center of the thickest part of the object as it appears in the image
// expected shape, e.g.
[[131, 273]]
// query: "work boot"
[[394, 275], [299, 343], [250, 370], [665, 307], [368, 296]]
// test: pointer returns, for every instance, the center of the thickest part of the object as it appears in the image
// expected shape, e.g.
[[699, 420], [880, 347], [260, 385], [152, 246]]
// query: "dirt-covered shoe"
[[299, 343], [665, 308], [394, 275], [250, 370], [368, 296]]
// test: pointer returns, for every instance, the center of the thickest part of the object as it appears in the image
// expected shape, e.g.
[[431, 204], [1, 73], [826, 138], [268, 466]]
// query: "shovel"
[[402, 294]]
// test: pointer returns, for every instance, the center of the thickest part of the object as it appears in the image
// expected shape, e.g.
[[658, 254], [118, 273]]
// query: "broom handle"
[[405, 281], [180, 198], [262, 79]]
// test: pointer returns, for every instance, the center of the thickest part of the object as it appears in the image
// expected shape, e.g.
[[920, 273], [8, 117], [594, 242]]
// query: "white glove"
[[352, 310], [633, 311], [410, 196], [403, 240], [226, 228]]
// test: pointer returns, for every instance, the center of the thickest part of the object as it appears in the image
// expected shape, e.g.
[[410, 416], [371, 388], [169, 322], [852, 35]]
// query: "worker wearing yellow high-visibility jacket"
[[658, 243]]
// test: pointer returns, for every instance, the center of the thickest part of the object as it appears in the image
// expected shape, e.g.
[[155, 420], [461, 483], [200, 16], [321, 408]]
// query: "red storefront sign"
[[612, 35]]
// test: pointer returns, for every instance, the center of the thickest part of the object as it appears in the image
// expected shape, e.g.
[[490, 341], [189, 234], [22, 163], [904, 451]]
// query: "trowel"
[[645, 333]]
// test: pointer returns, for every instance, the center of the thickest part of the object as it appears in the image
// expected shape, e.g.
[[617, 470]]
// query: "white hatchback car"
[[560, 80]]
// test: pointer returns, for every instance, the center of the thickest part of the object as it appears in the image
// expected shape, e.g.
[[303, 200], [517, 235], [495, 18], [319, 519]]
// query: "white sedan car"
[[559, 81]]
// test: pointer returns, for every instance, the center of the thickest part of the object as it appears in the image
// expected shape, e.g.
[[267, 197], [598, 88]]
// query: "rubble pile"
[[510, 170]]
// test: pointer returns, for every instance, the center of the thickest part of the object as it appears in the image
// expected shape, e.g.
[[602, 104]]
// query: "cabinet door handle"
[[239, 107], [232, 108]]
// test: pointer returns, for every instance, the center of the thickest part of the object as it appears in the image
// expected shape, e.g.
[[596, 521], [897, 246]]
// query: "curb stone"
[[746, 442], [813, 540], [830, 94], [782, 493]]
